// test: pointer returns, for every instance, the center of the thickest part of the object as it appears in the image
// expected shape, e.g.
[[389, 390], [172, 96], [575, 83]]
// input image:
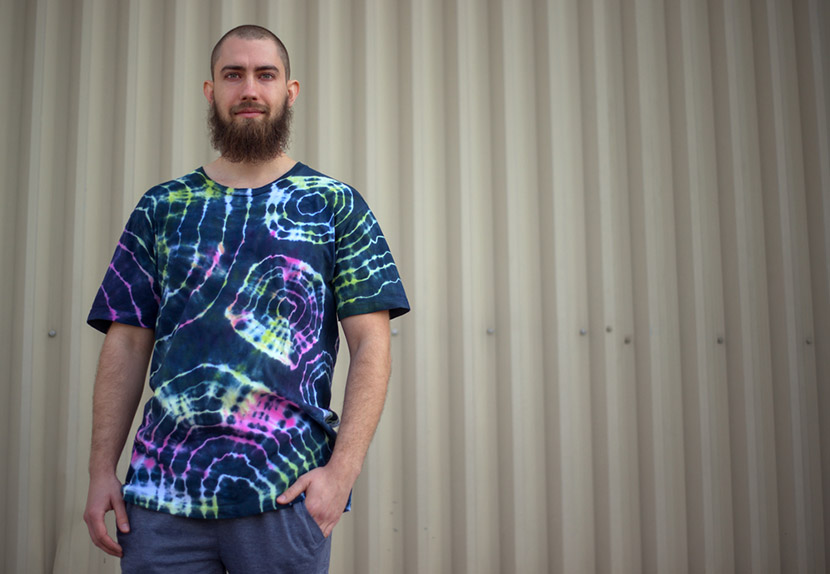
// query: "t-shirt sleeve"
[[365, 276], [130, 292]]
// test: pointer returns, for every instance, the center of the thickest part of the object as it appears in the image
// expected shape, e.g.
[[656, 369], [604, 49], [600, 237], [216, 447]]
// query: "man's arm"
[[118, 386], [327, 488]]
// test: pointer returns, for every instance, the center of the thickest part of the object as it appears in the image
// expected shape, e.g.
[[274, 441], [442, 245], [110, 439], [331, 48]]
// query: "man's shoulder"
[[183, 187], [339, 194], [314, 178], [193, 180]]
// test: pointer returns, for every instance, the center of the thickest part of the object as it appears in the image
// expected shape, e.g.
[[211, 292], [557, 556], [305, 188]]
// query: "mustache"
[[249, 107]]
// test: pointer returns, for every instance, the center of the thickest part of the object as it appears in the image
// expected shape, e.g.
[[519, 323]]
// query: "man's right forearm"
[[118, 387]]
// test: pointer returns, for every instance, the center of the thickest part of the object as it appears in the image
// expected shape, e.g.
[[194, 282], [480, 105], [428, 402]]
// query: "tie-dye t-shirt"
[[243, 289]]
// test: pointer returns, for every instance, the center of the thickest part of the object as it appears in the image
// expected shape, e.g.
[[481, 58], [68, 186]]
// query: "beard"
[[250, 140]]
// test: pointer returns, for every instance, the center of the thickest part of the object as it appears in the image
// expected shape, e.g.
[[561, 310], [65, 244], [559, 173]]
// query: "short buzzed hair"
[[251, 32]]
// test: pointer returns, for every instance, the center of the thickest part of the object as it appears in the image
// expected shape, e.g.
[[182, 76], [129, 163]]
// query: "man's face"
[[250, 101]]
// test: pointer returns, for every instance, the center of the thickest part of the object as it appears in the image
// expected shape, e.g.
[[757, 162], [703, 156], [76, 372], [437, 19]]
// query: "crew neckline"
[[248, 191]]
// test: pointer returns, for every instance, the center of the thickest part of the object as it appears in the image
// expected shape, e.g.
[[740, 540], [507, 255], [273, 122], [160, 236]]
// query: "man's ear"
[[293, 91], [208, 90]]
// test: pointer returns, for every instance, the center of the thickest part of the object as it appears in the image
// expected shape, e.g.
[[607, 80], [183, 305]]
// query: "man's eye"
[[267, 76], [231, 76]]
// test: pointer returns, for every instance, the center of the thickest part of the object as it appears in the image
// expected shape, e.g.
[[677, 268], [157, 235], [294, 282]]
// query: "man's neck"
[[244, 175]]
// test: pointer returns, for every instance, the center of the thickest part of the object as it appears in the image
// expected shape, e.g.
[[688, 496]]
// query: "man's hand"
[[326, 495], [104, 496]]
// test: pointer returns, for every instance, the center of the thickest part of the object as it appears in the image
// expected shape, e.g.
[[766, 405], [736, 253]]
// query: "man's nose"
[[249, 91]]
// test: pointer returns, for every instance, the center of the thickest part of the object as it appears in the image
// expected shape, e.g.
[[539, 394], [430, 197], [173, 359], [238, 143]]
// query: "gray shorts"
[[283, 541]]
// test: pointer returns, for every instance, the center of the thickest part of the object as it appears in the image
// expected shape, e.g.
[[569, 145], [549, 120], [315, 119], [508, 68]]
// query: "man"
[[233, 277]]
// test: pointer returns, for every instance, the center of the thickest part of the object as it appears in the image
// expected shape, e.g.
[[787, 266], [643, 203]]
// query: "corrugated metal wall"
[[613, 219]]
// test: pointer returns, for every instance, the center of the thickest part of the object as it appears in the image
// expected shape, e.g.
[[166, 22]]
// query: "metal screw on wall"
[[490, 331], [53, 333]]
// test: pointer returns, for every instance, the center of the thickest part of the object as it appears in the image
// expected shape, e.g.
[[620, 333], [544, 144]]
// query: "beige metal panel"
[[700, 280], [423, 227], [745, 295], [614, 420], [565, 295], [812, 20], [409, 368], [662, 463], [36, 404], [471, 267], [523, 401], [461, 482], [14, 104], [229, 13], [793, 364], [504, 445]]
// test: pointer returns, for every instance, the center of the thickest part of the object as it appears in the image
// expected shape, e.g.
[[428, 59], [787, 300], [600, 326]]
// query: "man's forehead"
[[258, 52]]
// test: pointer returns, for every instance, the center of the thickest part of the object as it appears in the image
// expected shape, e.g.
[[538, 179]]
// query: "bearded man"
[[229, 281]]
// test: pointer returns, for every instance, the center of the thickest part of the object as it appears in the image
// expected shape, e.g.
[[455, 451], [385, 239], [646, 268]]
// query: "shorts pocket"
[[314, 529]]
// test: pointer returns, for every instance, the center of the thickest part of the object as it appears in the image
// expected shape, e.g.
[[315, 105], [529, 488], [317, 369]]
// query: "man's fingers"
[[294, 490], [290, 494], [110, 546], [101, 538], [121, 520]]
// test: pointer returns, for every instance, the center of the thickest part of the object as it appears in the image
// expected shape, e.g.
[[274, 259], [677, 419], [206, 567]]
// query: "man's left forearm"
[[327, 488], [365, 394]]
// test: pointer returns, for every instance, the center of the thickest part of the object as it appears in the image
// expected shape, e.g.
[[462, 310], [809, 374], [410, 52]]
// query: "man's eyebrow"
[[237, 67]]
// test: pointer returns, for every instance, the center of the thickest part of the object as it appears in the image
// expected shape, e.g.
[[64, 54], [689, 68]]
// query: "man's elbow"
[[137, 339]]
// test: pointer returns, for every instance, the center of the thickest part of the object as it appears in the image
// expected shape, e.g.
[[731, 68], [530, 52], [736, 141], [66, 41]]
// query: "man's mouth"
[[249, 111]]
